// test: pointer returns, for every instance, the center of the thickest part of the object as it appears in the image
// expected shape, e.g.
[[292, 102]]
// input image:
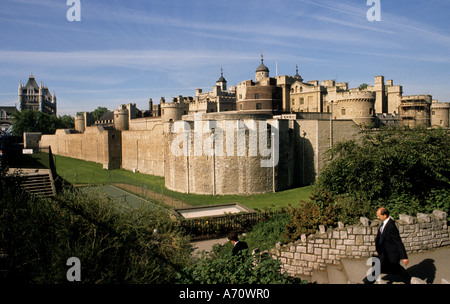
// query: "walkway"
[[431, 266]]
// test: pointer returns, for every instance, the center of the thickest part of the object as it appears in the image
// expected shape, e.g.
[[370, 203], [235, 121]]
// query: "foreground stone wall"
[[314, 252]]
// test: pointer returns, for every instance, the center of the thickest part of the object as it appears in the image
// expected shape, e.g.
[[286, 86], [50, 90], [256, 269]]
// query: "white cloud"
[[137, 59]]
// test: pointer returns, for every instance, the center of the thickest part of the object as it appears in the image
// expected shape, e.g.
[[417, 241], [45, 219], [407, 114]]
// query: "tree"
[[36, 121], [65, 122], [406, 169], [99, 112], [363, 86]]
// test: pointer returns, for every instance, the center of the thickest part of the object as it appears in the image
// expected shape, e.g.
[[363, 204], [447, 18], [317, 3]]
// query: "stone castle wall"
[[232, 163], [146, 148], [314, 252], [313, 138], [96, 144], [143, 150]]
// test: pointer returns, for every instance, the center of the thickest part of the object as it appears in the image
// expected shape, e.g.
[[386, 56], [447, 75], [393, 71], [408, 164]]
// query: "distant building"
[[6, 118], [38, 98]]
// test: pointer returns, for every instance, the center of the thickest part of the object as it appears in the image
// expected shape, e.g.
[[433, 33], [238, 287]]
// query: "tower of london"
[[284, 122]]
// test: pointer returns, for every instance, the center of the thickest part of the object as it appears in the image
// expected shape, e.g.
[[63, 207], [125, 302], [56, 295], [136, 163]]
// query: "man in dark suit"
[[390, 248], [237, 245]]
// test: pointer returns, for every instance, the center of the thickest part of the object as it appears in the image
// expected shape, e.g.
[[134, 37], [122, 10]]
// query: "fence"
[[219, 226]]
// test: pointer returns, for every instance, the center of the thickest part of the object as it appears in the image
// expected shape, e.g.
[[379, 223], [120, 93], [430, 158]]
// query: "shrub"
[[267, 233], [404, 169], [309, 215], [39, 235], [220, 267]]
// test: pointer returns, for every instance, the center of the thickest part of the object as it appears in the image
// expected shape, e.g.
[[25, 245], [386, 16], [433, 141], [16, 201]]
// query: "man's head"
[[233, 237], [382, 214]]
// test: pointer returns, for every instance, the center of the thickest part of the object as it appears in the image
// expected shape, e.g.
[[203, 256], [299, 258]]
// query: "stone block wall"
[[96, 145], [302, 257]]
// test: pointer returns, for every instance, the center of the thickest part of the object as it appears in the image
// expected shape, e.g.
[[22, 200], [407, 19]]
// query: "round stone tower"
[[121, 119], [356, 105], [172, 111], [80, 123], [440, 112]]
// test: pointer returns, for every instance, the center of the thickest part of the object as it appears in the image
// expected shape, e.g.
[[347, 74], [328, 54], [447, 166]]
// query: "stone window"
[[343, 111], [258, 106], [256, 95]]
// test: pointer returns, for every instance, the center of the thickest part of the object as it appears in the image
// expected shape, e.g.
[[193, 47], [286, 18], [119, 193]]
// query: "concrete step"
[[336, 274], [319, 277], [333, 274], [39, 184]]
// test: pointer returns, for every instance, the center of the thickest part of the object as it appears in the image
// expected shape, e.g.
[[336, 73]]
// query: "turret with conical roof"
[[262, 71], [297, 75], [222, 82]]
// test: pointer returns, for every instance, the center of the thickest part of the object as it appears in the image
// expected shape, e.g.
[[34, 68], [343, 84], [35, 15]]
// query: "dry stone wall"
[[300, 258]]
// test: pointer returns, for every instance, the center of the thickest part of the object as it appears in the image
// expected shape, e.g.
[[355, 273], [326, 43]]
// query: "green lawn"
[[77, 171]]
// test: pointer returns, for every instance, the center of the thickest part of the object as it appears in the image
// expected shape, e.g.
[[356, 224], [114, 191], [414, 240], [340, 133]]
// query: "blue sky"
[[130, 51]]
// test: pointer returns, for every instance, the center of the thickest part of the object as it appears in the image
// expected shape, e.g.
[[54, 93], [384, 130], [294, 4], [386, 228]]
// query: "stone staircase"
[[38, 182], [430, 266]]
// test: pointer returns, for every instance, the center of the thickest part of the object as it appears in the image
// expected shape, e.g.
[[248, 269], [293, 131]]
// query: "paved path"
[[207, 245], [431, 266]]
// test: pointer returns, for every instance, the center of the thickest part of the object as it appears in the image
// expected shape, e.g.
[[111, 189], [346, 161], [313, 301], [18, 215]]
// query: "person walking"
[[237, 245], [390, 249]]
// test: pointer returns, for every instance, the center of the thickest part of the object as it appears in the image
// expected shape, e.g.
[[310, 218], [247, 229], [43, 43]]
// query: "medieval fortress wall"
[[264, 135], [214, 153], [96, 145]]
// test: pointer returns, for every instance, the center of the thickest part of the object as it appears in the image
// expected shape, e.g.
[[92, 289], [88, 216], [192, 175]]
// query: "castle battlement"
[[440, 105], [413, 98], [355, 95]]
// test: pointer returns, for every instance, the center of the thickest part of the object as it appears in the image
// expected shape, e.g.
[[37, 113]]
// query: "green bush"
[[309, 215], [267, 233], [405, 169], [39, 235], [351, 208], [220, 267]]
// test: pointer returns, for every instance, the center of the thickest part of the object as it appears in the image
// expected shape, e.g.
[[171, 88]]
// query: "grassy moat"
[[79, 172]]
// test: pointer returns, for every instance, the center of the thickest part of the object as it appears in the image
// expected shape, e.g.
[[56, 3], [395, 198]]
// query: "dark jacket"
[[389, 244], [239, 246]]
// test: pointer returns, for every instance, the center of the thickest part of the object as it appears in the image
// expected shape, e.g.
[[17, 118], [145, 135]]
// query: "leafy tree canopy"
[[407, 169], [363, 86], [99, 112], [36, 121]]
